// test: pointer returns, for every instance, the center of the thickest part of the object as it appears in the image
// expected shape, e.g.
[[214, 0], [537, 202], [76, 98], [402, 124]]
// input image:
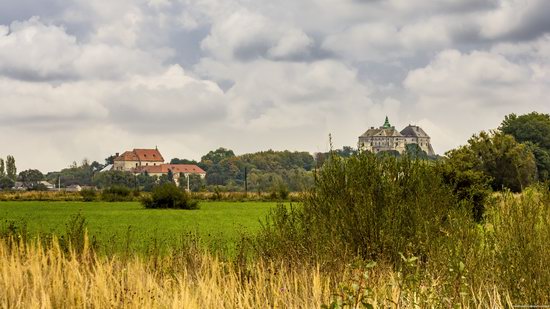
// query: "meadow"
[[128, 225]]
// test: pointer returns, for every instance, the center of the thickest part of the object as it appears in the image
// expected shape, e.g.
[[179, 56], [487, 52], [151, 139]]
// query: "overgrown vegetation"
[[406, 215], [169, 195]]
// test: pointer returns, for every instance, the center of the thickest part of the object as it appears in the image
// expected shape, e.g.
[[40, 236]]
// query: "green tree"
[[146, 182], [31, 178], [499, 156], [216, 156], [6, 183], [183, 161], [11, 169], [110, 160], [2, 168], [415, 152], [114, 178], [534, 129]]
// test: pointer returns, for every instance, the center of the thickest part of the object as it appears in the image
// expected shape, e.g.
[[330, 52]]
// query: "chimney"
[[116, 154]]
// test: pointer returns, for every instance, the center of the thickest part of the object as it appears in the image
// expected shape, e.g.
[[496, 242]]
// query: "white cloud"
[[465, 93], [33, 50], [379, 41], [247, 35]]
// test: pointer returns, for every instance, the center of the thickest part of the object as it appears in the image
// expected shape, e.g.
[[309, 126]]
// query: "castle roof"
[[413, 131], [391, 132], [386, 130]]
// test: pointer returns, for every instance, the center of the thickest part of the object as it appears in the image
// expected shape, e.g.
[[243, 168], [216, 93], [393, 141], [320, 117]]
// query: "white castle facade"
[[387, 138]]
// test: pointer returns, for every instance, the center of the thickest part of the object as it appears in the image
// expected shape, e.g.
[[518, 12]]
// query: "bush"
[[116, 194], [169, 196], [88, 195], [366, 206]]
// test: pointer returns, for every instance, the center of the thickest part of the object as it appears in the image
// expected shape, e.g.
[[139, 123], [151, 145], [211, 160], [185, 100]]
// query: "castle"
[[387, 138]]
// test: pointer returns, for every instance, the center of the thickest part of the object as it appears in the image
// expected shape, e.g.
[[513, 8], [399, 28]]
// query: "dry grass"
[[33, 276], [40, 196]]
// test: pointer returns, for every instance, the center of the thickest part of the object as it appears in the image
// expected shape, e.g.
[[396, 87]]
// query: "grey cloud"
[[535, 23]]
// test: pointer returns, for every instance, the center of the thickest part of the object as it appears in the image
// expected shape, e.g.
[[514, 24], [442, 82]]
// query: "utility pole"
[[245, 181], [188, 183]]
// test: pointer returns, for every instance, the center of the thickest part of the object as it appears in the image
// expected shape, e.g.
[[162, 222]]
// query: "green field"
[[115, 226]]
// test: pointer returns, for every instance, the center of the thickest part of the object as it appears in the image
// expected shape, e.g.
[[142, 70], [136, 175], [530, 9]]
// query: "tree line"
[[513, 156]]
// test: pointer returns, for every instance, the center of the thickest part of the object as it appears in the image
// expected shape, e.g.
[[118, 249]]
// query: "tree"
[[11, 170], [499, 156], [110, 160], [532, 129], [415, 152], [183, 161], [146, 182], [31, 178], [6, 183], [114, 178], [2, 168]]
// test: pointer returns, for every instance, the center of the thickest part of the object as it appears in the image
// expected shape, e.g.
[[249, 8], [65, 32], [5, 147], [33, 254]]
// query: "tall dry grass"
[[33, 275]]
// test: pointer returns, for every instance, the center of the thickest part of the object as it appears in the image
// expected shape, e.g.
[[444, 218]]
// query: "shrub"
[[366, 206], [169, 196], [88, 195], [116, 194]]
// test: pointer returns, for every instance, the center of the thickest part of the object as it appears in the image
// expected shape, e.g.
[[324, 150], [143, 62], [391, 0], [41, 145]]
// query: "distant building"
[[129, 160], [73, 188], [178, 171], [150, 161], [387, 138], [47, 185]]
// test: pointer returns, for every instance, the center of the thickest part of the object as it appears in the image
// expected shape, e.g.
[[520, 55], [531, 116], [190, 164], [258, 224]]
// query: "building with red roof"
[[130, 160], [150, 161]]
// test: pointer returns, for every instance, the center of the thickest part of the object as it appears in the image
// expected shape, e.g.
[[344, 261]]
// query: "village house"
[[387, 138], [150, 161], [129, 160]]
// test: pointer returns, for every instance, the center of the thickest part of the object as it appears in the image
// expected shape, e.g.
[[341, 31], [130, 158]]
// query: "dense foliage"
[[534, 130], [265, 171], [169, 196], [116, 194], [406, 214], [499, 156], [400, 203]]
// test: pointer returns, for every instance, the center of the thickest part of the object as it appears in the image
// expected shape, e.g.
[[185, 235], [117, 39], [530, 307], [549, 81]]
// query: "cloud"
[[88, 78], [245, 35], [516, 20], [32, 50], [468, 92]]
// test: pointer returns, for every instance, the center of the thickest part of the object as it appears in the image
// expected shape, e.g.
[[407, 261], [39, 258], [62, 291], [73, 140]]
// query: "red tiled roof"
[[143, 155], [149, 155], [175, 168], [127, 156]]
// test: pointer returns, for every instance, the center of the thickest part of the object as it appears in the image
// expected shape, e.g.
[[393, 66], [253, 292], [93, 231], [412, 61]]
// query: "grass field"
[[116, 226]]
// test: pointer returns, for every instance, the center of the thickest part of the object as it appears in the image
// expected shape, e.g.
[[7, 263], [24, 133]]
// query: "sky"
[[86, 79]]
